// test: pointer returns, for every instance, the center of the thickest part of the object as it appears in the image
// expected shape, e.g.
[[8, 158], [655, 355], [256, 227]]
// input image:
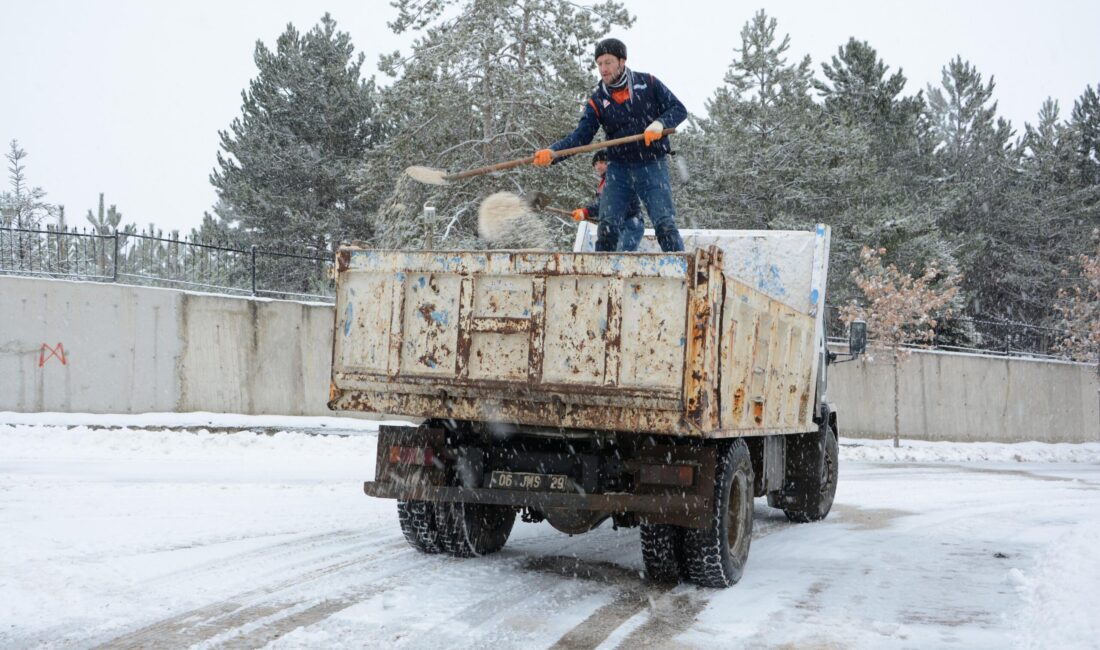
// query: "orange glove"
[[580, 214], [543, 158], [654, 132]]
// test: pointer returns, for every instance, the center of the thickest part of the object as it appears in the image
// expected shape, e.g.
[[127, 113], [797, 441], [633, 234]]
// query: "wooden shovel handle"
[[488, 169], [568, 213], [564, 213]]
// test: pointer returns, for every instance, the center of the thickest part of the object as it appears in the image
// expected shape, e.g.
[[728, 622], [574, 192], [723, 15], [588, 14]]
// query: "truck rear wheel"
[[663, 552], [459, 529], [417, 519], [473, 529], [715, 556], [809, 498]]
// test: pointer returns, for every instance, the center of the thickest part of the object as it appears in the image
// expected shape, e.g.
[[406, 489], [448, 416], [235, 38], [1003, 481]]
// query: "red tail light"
[[412, 456]]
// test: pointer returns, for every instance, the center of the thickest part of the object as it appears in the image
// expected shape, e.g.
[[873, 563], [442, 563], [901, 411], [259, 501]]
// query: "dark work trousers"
[[649, 180]]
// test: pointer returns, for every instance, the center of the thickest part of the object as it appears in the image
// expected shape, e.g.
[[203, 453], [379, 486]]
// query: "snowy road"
[[135, 537]]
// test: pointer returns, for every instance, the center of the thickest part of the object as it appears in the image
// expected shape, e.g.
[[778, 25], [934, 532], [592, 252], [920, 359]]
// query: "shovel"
[[433, 176]]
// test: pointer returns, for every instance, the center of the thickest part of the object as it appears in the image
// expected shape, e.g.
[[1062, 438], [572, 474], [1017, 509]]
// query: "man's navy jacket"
[[627, 111]]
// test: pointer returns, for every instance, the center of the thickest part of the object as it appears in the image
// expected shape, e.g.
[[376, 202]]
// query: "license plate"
[[526, 481]]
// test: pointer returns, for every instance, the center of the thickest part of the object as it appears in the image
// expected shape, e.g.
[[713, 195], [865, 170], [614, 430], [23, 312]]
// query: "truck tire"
[[809, 498], [473, 529], [715, 556], [418, 524], [663, 552]]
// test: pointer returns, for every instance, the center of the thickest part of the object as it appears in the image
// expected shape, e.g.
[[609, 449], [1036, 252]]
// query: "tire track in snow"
[[211, 620], [632, 597], [672, 611], [258, 632], [290, 548], [303, 552], [670, 615]]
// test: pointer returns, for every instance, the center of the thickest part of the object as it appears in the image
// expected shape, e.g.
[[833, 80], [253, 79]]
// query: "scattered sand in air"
[[505, 220]]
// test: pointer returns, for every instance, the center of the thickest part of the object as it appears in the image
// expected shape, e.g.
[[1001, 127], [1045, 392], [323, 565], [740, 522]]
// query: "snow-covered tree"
[[886, 202], [760, 138], [23, 206], [484, 81], [107, 221], [1086, 130], [307, 122], [973, 163]]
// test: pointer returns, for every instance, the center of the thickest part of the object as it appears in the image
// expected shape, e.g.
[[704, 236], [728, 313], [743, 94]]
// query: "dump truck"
[[651, 389]]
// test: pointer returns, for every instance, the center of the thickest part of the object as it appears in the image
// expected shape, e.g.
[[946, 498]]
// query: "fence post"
[[114, 276], [429, 220], [253, 250]]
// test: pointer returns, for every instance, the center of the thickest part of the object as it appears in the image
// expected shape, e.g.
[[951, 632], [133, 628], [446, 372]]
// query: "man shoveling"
[[626, 103]]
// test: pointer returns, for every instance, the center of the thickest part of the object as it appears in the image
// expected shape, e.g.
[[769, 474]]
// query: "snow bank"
[[196, 419], [1060, 593], [23, 442], [920, 451]]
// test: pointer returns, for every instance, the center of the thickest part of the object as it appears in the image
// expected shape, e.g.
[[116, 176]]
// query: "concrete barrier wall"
[[968, 397], [254, 356], [105, 348], [87, 347]]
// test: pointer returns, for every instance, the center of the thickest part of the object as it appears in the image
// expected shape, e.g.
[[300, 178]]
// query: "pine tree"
[[1086, 129], [861, 91], [887, 204], [973, 162], [286, 167], [1048, 223], [485, 81], [106, 222], [23, 206], [761, 136]]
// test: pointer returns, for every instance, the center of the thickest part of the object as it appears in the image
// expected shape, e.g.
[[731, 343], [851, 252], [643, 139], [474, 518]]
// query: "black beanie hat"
[[598, 156], [611, 46]]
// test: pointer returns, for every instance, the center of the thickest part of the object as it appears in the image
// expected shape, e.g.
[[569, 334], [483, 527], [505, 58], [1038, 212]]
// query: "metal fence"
[[148, 260], [985, 336]]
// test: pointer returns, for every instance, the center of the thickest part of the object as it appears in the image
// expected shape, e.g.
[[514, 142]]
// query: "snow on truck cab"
[[660, 390]]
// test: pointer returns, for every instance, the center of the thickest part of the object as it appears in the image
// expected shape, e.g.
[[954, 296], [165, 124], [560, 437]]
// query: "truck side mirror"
[[857, 337]]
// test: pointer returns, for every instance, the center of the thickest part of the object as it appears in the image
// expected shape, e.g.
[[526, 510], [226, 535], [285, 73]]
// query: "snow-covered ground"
[[227, 531]]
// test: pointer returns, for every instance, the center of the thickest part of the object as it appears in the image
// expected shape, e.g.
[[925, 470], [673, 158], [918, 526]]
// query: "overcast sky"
[[127, 97]]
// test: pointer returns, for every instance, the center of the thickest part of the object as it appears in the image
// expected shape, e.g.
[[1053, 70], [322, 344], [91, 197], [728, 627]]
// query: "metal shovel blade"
[[428, 175]]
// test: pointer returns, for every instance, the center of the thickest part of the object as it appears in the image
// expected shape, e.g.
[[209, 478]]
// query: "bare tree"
[[1079, 307], [900, 309]]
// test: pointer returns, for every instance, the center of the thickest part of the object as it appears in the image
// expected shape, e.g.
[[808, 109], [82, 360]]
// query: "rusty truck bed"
[[665, 343]]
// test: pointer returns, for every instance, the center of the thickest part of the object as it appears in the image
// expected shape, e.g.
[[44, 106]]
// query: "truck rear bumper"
[[670, 506]]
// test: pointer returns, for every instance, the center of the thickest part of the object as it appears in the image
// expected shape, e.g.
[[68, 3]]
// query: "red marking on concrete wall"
[[55, 351]]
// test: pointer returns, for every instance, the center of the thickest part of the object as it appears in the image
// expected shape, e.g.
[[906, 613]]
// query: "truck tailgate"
[[558, 339]]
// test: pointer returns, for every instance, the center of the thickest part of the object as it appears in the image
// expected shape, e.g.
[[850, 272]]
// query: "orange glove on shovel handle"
[[543, 158], [580, 214], [654, 132]]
